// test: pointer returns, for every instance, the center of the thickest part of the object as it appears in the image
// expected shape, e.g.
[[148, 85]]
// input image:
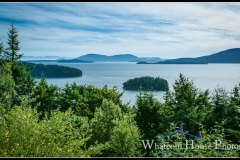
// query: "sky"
[[145, 29]]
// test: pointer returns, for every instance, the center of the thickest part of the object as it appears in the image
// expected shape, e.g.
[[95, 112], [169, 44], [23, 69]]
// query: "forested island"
[[38, 119], [146, 83], [52, 71]]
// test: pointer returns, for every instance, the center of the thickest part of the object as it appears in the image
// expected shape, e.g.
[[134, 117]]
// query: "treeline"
[[52, 71], [146, 83], [42, 120]]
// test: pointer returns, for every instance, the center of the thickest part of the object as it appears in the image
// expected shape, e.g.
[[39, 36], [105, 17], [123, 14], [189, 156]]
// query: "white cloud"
[[163, 29]]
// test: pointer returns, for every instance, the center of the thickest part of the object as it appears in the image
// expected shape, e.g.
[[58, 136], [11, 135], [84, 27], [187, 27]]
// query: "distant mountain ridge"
[[98, 57], [119, 57], [226, 56], [89, 58]]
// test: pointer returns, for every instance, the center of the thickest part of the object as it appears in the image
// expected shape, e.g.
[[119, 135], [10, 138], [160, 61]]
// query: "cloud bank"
[[162, 29]]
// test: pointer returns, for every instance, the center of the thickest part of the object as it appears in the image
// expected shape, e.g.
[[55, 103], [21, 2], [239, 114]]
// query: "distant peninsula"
[[226, 56], [52, 71]]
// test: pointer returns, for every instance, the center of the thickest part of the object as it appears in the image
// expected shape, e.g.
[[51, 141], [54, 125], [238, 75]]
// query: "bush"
[[61, 135]]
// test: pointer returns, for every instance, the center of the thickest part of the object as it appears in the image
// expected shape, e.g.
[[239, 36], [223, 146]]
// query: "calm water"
[[204, 76]]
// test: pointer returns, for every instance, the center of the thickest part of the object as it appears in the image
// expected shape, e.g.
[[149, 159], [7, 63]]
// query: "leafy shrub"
[[61, 135]]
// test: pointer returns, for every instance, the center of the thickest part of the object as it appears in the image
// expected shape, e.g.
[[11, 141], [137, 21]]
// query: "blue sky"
[[162, 29]]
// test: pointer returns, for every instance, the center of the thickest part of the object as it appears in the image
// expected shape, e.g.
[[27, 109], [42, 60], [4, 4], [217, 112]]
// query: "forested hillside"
[[42, 120]]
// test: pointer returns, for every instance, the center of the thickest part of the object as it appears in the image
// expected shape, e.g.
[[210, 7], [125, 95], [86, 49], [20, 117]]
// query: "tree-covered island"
[[52, 71], [146, 83]]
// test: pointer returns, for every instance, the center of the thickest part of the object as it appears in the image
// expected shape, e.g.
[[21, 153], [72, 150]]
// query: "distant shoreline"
[[59, 61]]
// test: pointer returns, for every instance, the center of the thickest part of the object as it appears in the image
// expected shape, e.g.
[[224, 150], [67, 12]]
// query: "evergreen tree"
[[152, 117], [47, 97], [11, 53], [24, 83], [7, 92], [225, 108], [189, 105]]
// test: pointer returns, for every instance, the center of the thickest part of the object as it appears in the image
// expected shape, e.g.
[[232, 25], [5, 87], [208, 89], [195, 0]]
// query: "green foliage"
[[226, 108], [23, 81], [85, 99], [188, 104], [146, 83], [46, 97], [151, 116], [7, 92], [235, 108], [52, 71], [63, 134], [125, 138], [235, 95], [117, 130], [104, 121]]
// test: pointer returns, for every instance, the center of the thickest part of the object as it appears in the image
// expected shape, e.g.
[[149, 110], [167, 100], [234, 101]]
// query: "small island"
[[52, 71], [146, 83]]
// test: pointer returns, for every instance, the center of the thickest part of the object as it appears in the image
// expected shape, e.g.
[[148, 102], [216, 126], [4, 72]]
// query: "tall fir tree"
[[24, 83], [11, 53]]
